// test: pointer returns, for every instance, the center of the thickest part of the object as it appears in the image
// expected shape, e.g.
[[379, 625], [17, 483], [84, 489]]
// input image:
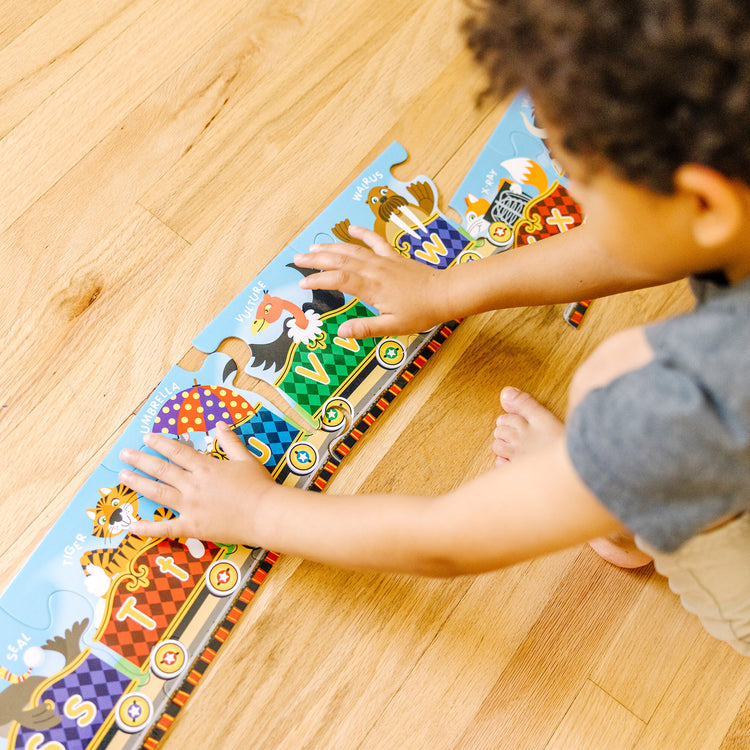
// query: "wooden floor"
[[154, 156]]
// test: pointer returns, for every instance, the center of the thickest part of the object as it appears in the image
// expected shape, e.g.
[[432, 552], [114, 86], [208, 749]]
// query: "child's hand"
[[404, 291], [216, 500]]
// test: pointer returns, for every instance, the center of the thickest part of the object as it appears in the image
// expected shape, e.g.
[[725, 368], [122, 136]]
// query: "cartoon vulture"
[[394, 214], [297, 325]]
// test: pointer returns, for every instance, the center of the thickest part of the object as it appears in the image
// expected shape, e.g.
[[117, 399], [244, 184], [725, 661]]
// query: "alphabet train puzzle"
[[105, 633]]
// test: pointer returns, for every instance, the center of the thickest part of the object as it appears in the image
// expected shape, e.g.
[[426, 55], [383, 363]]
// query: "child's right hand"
[[405, 292]]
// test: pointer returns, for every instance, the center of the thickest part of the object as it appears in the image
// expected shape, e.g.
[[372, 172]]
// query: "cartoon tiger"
[[116, 509]]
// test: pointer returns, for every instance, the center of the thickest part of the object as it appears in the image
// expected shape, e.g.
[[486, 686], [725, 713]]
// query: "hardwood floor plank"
[[738, 735], [285, 669], [76, 372], [16, 17], [235, 123], [82, 111], [55, 48], [704, 698], [596, 720], [535, 690], [344, 111], [657, 632], [461, 665], [60, 253]]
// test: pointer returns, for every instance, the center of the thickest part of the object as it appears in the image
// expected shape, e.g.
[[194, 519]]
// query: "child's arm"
[[534, 505], [412, 297]]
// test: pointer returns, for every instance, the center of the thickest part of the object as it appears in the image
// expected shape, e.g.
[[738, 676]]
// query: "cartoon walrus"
[[393, 213]]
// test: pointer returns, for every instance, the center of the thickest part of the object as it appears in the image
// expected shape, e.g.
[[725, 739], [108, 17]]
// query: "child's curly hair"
[[647, 85]]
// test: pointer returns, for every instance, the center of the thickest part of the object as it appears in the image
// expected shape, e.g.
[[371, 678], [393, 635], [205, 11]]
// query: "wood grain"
[[155, 155]]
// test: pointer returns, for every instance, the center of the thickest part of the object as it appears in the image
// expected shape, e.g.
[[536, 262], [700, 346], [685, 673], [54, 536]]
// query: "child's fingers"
[[365, 328], [160, 493], [154, 466], [319, 250], [175, 450], [349, 280], [333, 258], [168, 529], [373, 239], [231, 444]]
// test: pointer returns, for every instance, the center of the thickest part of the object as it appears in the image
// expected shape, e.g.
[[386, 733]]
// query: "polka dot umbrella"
[[199, 408]]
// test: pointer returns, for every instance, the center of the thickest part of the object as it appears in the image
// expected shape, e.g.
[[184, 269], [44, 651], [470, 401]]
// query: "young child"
[[647, 105]]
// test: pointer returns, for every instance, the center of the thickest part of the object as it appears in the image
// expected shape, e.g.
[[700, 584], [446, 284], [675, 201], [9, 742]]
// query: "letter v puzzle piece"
[[292, 333]]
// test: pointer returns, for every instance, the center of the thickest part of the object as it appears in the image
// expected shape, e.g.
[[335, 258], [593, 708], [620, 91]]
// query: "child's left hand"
[[216, 500]]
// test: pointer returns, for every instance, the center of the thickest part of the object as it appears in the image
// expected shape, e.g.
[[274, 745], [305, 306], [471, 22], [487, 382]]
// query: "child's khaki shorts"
[[711, 575]]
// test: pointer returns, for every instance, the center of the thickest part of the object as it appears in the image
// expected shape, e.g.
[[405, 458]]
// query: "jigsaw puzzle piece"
[[55, 564], [187, 405], [72, 710], [515, 192], [88, 552], [514, 172], [50, 679], [358, 204], [292, 334], [407, 215], [28, 628]]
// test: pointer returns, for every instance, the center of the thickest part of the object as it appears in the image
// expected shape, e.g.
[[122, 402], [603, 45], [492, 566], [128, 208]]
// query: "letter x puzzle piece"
[[515, 193]]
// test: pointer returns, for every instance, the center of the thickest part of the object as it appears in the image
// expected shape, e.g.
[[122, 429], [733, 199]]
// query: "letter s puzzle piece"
[[50, 680]]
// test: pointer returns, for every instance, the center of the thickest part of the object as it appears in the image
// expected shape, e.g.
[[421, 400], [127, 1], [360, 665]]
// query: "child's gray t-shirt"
[[666, 448]]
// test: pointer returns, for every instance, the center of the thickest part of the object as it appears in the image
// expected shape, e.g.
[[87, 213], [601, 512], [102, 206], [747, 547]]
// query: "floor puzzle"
[[120, 628], [516, 193]]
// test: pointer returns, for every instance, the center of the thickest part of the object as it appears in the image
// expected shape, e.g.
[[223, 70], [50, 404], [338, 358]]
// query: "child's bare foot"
[[620, 549], [525, 426]]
